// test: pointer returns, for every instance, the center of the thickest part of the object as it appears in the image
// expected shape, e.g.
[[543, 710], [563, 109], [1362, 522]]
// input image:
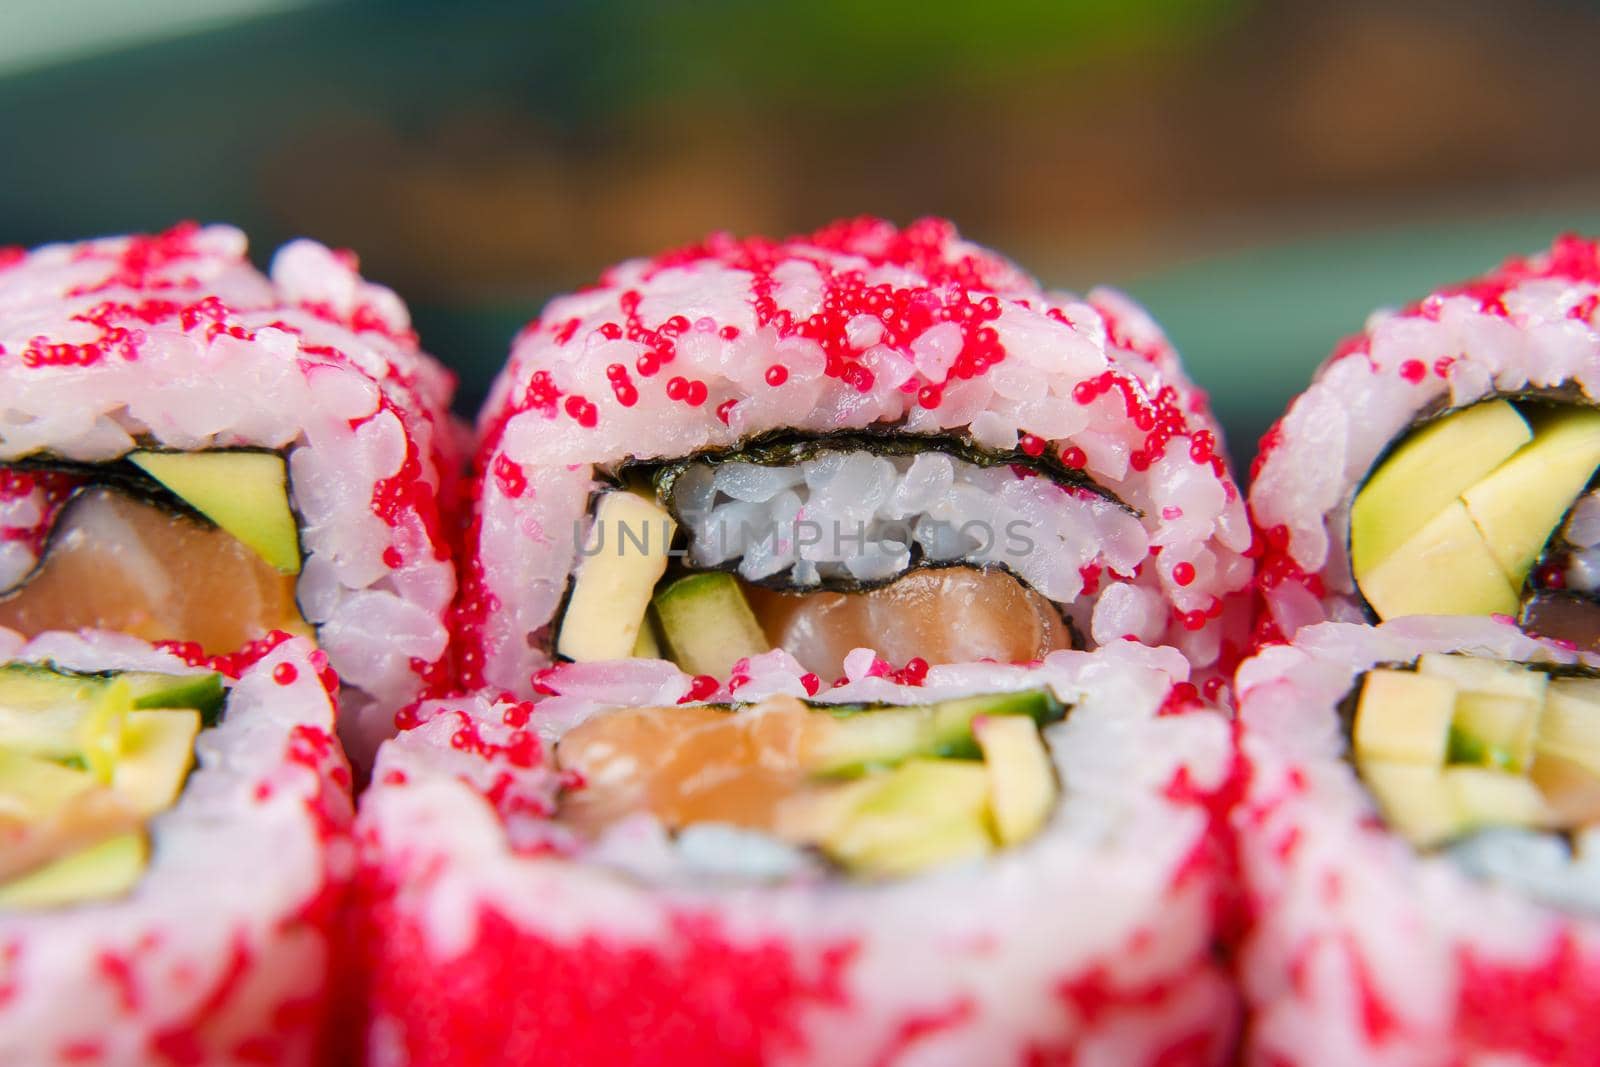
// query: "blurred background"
[[1261, 175]]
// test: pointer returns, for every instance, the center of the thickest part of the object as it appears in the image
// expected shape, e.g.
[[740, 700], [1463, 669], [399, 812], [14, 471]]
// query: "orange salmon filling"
[[117, 563], [689, 764], [945, 615]]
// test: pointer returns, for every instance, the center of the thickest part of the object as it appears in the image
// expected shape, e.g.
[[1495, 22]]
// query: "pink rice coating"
[[1532, 322], [859, 325], [1359, 949], [175, 340]]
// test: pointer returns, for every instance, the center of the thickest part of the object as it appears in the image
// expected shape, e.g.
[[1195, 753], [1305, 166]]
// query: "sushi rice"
[[222, 953], [1365, 950], [857, 379], [174, 341], [491, 934]]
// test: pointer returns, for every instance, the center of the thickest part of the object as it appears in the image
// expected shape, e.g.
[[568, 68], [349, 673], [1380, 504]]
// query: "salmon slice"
[[944, 615], [688, 764], [117, 563]]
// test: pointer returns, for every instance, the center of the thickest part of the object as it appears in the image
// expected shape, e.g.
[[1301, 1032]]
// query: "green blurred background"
[[1260, 174]]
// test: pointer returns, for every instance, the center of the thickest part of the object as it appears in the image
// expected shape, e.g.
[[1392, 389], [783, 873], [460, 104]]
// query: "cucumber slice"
[[245, 493], [860, 740], [863, 740], [41, 708], [202, 692], [101, 871], [952, 719], [707, 625], [627, 554]]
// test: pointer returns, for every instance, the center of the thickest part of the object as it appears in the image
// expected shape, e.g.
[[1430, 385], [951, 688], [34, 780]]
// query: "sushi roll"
[[1443, 461], [1420, 846], [839, 441], [192, 452], [1000, 865], [174, 848]]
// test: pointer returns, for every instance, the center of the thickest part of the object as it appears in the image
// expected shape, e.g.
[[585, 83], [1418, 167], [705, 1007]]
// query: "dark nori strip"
[[787, 447]]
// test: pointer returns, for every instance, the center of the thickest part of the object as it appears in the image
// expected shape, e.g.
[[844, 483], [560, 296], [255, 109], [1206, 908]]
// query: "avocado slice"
[[1404, 717], [1493, 730], [1484, 797], [1425, 474], [157, 752], [1414, 800], [1022, 781], [1520, 505], [1443, 569], [922, 813], [1476, 674], [859, 740], [707, 625], [1570, 723], [245, 493], [627, 553], [99, 732], [106, 869]]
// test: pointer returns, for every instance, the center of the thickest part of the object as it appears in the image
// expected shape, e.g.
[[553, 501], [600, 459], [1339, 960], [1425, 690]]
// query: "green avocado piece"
[[1520, 505], [1404, 717], [99, 872], [99, 732], [245, 493], [1443, 569], [1486, 797], [626, 555], [858, 740], [1569, 726], [1478, 674], [923, 813], [1425, 474], [707, 625], [1415, 800], [1022, 780], [1493, 730], [157, 752]]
